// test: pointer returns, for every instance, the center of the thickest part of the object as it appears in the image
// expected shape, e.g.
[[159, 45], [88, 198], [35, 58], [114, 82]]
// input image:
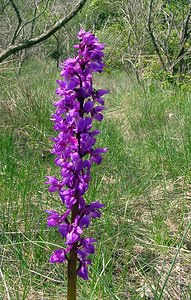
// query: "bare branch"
[[163, 45], [3, 6], [180, 58], [170, 26], [33, 21], [19, 20], [185, 26], [31, 42], [185, 33], [153, 39], [34, 18]]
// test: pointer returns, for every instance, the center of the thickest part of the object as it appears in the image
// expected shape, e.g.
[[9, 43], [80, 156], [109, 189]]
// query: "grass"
[[144, 247]]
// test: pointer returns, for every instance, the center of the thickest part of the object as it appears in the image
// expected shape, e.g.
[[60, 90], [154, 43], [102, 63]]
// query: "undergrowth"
[[144, 248]]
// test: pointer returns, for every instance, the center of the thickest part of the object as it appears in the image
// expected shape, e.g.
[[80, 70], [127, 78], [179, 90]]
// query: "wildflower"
[[78, 105]]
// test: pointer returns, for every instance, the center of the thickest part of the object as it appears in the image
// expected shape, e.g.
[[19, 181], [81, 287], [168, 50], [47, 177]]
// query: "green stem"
[[72, 275], [72, 263]]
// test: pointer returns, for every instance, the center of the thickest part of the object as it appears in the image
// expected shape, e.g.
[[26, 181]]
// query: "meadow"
[[143, 248]]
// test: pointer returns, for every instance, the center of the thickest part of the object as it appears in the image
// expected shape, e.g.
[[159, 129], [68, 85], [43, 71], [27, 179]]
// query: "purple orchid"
[[77, 106]]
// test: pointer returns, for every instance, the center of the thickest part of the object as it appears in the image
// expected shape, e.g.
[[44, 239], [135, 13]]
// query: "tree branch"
[[183, 39], [19, 20], [34, 18], [3, 6], [31, 42], [185, 33], [149, 28], [179, 59]]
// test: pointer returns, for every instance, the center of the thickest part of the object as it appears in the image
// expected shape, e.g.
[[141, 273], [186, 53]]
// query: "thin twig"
[[19, 21], [153, 39], [34, 18], [47, 277]]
